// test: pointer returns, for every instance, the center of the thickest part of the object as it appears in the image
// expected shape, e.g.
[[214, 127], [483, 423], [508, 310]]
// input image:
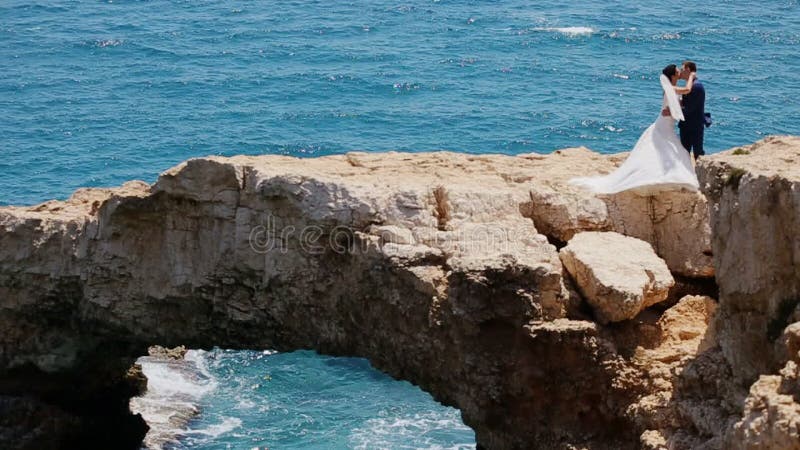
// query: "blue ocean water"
[[297, 400], [95, 93]]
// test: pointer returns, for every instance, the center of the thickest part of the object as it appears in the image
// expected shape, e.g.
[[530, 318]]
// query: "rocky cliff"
[[484, 279], [754, 193]]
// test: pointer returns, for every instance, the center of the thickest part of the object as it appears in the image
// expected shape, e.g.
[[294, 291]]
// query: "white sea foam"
[[174, 389], [384, 432], [569, 31], [668, 36], [107, 42], [168, 379], [244, 403], [227, 424]]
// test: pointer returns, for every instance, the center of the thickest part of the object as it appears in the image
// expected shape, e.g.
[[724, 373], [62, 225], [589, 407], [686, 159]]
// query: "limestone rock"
[[159, 352], [674, 222], [618, 275], [771, 418], [394, 234], [428, 264], [442, 269], [653, 440], [754, 207], [678, 336], [755, 217], [788, 345], [687, 328]]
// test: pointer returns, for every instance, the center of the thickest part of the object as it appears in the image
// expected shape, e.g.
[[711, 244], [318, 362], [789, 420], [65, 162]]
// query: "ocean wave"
[[301, 399], [41, 8], [227, 425], [318, 115], [569, 31], [385, 432], [667, 36], [102, 43], [634, 35], [406, 87], [461, 62], [174, 390]]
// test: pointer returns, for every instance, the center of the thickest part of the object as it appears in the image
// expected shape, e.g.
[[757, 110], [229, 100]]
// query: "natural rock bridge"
[[443, 269]]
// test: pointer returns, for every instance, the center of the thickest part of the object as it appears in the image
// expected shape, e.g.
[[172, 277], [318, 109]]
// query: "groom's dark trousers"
[[692, 126]]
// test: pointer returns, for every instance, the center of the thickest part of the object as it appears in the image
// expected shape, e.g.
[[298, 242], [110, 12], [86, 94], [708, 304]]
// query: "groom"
[[693, 106]]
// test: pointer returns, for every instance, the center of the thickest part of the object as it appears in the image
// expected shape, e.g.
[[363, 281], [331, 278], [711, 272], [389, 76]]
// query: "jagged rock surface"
[[754, 205], [619, 276], [771, 418], [675, 223], [440, 268], [430, 256], [755, 192], [662, 348]]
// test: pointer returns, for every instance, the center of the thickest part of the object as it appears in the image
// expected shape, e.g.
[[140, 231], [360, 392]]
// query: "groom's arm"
[[697, 99]]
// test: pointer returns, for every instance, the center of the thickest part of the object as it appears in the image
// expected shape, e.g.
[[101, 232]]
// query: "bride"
[[658, 161]]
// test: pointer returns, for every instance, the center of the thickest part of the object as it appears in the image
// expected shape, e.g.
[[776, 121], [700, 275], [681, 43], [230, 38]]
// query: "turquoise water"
[[298, 400], [96, 93]]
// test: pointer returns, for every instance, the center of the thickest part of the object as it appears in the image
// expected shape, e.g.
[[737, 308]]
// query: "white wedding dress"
[[658, 161]]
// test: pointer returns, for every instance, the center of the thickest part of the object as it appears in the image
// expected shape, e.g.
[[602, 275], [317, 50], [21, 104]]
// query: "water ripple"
[[159, 83]]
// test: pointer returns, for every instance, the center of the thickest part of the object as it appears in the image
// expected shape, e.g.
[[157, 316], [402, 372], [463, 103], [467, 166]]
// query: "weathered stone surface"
[[740, 389], [163, 407], [675, 223], [754, 212], [160, 352], [755, 218], [771, 419], [427, 264], [788, 345], [771, 415], [680, 334], [618, 275], [441, 268]]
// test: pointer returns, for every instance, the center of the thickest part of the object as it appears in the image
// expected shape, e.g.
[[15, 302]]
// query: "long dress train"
[[657, 162]]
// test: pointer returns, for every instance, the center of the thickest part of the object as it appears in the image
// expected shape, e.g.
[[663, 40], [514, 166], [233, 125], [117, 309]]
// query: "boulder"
[[618, 275], [560, 210], [788, 346]]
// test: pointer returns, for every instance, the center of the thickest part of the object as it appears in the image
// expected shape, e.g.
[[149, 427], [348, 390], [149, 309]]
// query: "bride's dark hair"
[[670, 71]]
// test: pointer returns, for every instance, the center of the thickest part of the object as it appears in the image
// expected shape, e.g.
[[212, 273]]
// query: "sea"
[[245, 399], [95, 93]]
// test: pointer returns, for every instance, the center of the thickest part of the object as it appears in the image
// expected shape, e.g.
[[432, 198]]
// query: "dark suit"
[[693, 124]]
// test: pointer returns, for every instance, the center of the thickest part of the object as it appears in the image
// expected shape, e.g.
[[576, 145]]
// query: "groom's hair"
[[690, 65]]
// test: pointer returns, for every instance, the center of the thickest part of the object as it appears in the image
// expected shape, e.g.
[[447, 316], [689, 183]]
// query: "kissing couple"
[[661, 160]]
